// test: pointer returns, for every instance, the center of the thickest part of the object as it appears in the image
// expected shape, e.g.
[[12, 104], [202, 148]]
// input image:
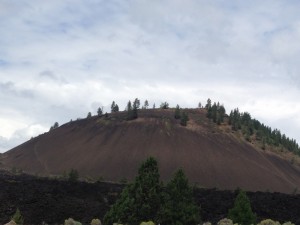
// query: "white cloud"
[[62, 59]]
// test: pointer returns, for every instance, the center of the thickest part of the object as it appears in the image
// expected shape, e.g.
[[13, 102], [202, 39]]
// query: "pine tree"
[[208, 104], [214, 112], [129, 110], [112, 107], [100, 111], [146, 104], [164, 105], [241, 212], [184, 119], [139, 201], [178, 206], [221, 112], [89, 115], [56, 125], [116, 109], [177, 112], [136, 103], [135, 107]]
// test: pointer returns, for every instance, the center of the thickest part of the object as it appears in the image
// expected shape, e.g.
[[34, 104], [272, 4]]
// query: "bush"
[[184, 119], [225, 221], [269, 222], [18, 218], [73, 175], [288, 223], [147, 223], [207, 223], [71, 221], [95, 222]]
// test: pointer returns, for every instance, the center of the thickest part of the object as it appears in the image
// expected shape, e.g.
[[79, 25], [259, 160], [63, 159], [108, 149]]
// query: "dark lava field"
[[52, 201]]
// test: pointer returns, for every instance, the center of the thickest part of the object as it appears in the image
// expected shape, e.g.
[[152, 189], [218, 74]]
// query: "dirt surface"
[[53, 201], [113, 148]]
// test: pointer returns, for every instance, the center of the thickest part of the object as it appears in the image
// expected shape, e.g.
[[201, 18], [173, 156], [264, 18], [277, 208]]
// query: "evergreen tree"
[[178, 206], [164, 105], [100, 111], [199, 105], [235, 119], [221, 112], [208, 104], [177, 112], [135, 107], [209, 113], [89, 115], [116, 109], [18, 218], [131, 111], [136, 103], [184, 119], [214, 112], [112, 107], [56, 125], [128, 107], [241, 212], [139, 201], [146, 104], [154, 106]]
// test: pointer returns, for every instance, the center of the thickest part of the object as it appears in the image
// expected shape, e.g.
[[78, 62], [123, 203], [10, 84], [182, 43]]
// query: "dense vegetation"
[[251, 128], [146, 199]]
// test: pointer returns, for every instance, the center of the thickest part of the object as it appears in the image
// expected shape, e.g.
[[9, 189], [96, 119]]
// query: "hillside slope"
[[112, 148]]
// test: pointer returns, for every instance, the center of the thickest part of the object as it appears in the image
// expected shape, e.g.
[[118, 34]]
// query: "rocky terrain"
[[52, 201]]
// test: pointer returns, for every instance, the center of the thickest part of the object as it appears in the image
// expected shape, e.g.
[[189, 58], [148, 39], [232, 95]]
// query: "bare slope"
[[113, 148]]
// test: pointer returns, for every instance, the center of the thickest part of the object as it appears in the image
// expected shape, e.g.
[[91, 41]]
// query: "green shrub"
[[225, 221], [11, 223], [147, 223], [95, 222], [288, 223], [73, 175], [71, 221], [18, 218], [207, 223], [268, 222]]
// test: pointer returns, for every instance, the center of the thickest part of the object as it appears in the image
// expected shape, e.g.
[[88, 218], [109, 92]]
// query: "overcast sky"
[[60, 59]]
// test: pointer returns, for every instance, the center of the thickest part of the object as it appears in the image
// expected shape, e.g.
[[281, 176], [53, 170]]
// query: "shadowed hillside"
[[112, 147]]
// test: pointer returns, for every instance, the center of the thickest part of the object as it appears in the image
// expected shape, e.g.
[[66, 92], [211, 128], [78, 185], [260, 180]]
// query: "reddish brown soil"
[[113, 148]]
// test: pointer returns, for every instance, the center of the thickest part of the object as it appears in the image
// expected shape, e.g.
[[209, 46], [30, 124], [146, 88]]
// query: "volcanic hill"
[[112, 148]]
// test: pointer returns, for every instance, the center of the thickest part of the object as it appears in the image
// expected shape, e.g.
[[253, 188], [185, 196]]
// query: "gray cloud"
[[62, 59], [48, 74]]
